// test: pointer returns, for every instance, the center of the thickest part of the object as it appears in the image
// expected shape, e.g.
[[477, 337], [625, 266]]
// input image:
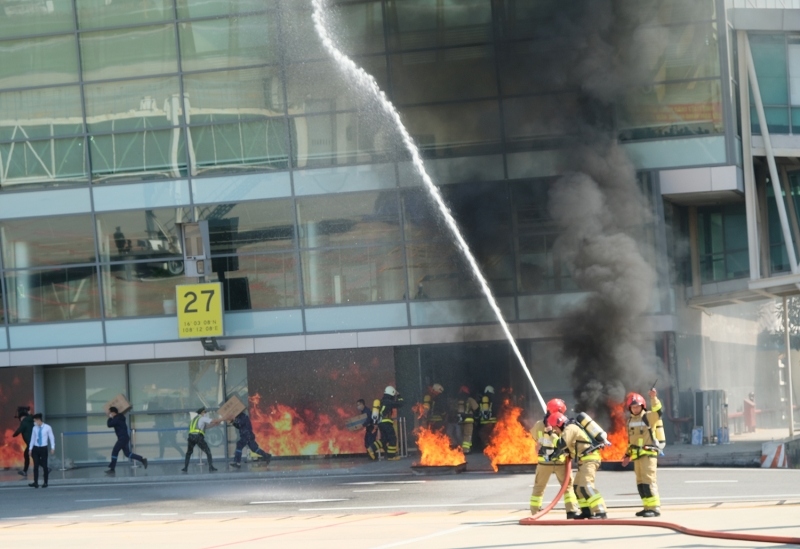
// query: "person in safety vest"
[[382, 414], [246, 438], [468, 412], [546, 442], [645, 441], [434, 413], [197, 437], [486, 415], [577, 444], [117, 422]]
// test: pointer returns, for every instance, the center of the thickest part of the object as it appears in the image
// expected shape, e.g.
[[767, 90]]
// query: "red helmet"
[[634, 398], [556, 406], [464, 389], [557, 420]]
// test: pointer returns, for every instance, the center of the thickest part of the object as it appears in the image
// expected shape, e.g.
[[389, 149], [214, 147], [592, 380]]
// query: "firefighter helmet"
[[634, 398], [437, 388], [556, 406], [557, 420], [390, 390], [489, 389], [464, 390]]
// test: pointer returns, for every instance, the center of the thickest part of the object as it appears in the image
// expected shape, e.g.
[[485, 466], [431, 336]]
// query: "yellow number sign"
[[199, 310]]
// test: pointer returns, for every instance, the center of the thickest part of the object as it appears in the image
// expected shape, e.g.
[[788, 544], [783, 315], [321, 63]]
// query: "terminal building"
[[121, 121]]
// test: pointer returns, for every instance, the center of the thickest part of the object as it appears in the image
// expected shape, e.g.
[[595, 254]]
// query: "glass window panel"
[[140, 234], [53, 295], [669, 110], [455, 129], [133, 105], [258, 281], [769, 57], [204, 8], [253, 92], [121, 53], [133, 156], [427, 23], [247, 227], [345, 138], [41, 241], [449, 74], [141, 289], [794, 70], [353, 275], [348, 219], [438, 270], [38, 61], [523, 65], [359, 27], [103, 13], [297, 26], [50, 162], [795, 121], [777, 120], [35, 17], [78, 390], [224, 43], [681, 52], [40, 113], [80, 448], [237, 147], [188, 384], [680, 11], [163, 435], [529, 119], [314, 87]]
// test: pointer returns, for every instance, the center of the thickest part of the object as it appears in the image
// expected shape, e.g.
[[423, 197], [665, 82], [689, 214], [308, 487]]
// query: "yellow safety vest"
[[193, 430]]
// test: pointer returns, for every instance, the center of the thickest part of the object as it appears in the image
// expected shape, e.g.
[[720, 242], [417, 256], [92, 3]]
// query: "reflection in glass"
[[228, 95], [53, 295], [163, 435], [320, 86], [247, 227], [79, 447], [186, 385], [140, 234], [233, 148], [530, 119], [348, 219], [40, 113], [41, 241], [105, 13], [464, 128], [121, 53], [133, 105], [50, 162], [82, 389], [683, 52], [205, 8], [353, 275], [138, 155], [258, 281], [359, 27], [38, 61], [430, 23], [227, 43], [141, 289], [38, 17]]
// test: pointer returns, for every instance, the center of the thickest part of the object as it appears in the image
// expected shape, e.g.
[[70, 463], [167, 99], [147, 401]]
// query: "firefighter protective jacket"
[[646, 431], [467, 410], [577, 442], [546, 444], [388, 405]]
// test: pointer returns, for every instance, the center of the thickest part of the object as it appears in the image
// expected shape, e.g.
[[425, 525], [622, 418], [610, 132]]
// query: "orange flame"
[[617, 435], [285, 431], [11, 450], [511, 443], [419, 410], [435, 449]]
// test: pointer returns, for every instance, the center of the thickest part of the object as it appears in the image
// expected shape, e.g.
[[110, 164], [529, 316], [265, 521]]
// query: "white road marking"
[[106, 499], [296, 501], [19, 518], [110, 515], [159, 514], [63, 516], [218, 512], [415, 506], [443, 533], [706, 481], [378, 490], [384, 482]]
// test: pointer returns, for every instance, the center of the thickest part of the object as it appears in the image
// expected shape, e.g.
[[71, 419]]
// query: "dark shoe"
[[585, 514], [237, 465], [44, 485], [599, 516], [184, 470], [211, 468], [641, 513], [571, 515], [144, 462], [650, 513], [110, 472], [22, 473], [33, 485]]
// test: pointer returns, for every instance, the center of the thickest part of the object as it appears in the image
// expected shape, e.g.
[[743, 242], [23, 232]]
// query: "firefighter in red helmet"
[[546, 442], [577, 444], [645, 441]]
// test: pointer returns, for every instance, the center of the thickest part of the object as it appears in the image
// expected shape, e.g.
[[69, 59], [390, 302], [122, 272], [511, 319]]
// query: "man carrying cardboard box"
[[116, 421], [246, 438]]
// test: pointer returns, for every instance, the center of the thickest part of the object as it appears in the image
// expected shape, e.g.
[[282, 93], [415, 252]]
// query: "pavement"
[[739, 453]]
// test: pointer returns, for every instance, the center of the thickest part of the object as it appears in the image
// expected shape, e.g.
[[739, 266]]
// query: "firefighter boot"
[[599, 516], [586, 513], [571, 515], [650, 513]]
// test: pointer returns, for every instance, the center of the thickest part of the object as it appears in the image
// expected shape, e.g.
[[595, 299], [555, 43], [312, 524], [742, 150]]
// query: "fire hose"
[[535, 521]]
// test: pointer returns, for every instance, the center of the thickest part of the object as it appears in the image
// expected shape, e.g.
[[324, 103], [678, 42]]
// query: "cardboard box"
[[232, 408], [120, 403], [355, 423]]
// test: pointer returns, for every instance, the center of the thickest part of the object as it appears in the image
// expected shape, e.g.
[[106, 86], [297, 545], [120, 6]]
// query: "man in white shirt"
[[197, 432], [41, 438]]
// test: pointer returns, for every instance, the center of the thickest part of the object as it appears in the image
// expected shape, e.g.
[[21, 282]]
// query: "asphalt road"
[[340, 510]]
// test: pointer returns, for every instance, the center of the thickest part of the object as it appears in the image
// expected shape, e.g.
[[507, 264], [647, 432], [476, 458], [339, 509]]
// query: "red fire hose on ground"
[[535, 520]]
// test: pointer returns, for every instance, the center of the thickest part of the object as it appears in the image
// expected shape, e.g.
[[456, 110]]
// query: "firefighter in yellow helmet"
[[577, 444], [382, 414], [546, 442], [434, 413], [487, 418], [645, 440], [467, 412]]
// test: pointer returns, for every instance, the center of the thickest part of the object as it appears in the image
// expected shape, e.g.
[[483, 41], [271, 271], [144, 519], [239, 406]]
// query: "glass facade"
[[777, 62]]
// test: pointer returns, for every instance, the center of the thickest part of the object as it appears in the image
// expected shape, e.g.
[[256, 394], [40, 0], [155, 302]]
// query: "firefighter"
[[546, 442], [468, 411], [487, 418], [382, 411], [197, 437], [246, 438], [577, 444], [645, 441], [433, 412]]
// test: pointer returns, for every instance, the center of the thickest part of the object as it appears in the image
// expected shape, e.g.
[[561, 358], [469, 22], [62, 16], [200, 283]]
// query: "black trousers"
[[39, 456], [123, 445], [200, 442], [26, 458]]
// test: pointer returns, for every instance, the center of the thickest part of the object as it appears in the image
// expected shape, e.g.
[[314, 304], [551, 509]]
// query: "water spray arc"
[[366, 81]]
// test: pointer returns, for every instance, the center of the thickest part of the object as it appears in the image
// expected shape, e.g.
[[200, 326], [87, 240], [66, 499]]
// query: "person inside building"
[[488, 420], [197, 437], [577, 444], [370, 429], [24, 430], [548, 464], [246, 438], [434, 413], [382, 413], [645, 441], [468, 411], [117, 422], [41, 437]]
